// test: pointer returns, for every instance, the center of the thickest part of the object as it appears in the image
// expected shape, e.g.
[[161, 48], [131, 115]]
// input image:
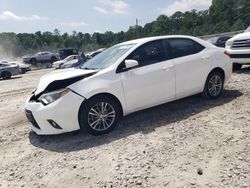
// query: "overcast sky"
[[86, 15]]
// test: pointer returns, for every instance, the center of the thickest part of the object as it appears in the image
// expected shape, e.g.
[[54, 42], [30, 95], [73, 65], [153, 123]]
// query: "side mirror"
[[129, 63]]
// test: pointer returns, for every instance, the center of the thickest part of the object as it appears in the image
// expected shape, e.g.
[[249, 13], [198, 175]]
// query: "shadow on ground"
[[144, 121], [12, 78], [243, 70]]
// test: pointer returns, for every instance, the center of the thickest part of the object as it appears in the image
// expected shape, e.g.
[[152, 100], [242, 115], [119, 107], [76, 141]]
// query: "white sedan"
[[59, 64], [125, 78]]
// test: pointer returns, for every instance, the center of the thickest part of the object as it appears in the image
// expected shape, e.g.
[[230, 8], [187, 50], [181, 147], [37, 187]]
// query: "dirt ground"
[[192, 142]]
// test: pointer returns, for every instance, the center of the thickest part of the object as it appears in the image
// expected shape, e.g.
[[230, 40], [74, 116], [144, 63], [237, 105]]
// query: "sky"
[[87, 16]]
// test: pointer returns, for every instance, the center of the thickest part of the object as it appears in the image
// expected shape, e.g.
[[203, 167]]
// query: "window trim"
[[170, 48], [121, 67]]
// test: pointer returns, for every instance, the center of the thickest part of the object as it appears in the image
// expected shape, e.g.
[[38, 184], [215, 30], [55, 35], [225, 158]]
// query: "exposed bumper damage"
[[59, 116]]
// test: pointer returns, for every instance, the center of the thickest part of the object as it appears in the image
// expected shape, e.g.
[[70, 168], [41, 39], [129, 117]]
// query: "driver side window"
[[149, 53]]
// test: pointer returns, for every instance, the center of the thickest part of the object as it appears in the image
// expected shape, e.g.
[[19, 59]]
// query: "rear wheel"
[[48, 65], [23, 71], [53, 59], [214, 85], [6, 75], [99, 115], [237, 66]]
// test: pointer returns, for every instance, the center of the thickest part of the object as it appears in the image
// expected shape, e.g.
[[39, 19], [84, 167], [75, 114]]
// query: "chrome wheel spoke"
[[215, 85], [101, 116]]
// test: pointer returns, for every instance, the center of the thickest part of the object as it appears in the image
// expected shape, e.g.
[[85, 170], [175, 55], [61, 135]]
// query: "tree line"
[[222, 16]]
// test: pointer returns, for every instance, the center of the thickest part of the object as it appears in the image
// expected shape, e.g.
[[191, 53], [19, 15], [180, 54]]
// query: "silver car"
[[7, 70], [41, 57]]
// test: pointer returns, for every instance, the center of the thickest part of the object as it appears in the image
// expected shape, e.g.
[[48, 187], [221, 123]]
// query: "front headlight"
[[229, 44], [48, 98]]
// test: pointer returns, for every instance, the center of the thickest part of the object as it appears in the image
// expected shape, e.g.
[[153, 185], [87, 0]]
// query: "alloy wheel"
[[101, 116], [215, 85]]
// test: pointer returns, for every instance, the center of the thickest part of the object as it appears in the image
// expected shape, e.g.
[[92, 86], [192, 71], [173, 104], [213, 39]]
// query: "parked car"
[[90, 55], [8, 70], [73, 64], [23, 67], [126, 78], [63, 53], [238, 48], [59, 64], [41, 58], [219, 41]]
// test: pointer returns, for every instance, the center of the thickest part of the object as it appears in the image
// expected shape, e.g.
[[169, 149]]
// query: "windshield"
[[248, 29], [107, 57]]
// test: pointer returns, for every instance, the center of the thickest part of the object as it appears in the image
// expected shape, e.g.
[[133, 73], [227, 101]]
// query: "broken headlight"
[[50, 97]]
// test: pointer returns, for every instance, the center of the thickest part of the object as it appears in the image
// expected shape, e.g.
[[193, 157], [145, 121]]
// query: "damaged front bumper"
[[58, 117]]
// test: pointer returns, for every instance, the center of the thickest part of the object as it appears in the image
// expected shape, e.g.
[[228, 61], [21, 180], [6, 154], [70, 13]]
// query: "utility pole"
[[136, 28]]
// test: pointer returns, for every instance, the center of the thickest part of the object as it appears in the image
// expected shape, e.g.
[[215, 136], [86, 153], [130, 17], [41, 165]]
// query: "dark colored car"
[[219, 41], [63, 53]]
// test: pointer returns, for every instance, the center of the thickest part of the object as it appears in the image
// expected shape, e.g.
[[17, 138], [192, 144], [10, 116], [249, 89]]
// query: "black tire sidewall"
[[6, 75], [206, 92], [87, 105]]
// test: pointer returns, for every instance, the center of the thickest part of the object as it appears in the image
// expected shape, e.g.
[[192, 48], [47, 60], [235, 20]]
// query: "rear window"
[[180, 47]]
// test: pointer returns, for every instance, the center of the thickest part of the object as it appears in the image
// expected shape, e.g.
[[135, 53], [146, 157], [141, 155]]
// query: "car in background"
[[219, 41], [23, 67], [63, 53], [238, 48], [73, 64], [8, 70], [92, 54], [126, 78], [58, 64], [40, 58]]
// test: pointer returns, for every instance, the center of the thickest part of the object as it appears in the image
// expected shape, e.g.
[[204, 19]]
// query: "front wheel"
[[99, 115], [6, 75], [214, 85]]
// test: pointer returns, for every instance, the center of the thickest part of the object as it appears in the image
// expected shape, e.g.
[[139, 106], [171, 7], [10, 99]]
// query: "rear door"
[[192, 64]]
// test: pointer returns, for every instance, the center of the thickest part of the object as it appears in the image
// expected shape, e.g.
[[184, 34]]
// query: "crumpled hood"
[[242, 36], [60, 75]]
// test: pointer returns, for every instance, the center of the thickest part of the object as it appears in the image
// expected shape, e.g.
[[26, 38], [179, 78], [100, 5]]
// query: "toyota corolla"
[[126, 78]]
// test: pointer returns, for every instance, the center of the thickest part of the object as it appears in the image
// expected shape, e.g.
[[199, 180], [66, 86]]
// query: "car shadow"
[[144, 121], [243, 70], [12, 78]]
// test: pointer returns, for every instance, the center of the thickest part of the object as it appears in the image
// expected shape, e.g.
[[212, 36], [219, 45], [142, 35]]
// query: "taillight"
[[227, 53]]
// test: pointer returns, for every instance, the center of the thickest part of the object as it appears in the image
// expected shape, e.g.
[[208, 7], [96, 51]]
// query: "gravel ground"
[[192, 142]]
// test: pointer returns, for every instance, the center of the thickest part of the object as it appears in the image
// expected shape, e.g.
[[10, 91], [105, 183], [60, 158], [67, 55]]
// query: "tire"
[[53, 59], [23, 71], [214, 85], [236, 66], [6, 75], [49, 65], [60, 66], [99, 115]]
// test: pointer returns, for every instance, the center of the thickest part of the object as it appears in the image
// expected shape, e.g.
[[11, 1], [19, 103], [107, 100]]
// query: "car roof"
[[147, 39]]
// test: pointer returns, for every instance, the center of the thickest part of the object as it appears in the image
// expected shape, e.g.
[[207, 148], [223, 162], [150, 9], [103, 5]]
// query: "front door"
[[153, 81]]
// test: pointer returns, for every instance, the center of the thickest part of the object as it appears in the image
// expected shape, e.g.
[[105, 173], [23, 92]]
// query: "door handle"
[[167, 68]]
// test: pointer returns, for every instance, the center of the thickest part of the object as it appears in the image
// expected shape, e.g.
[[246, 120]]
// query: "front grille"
[[241, 44], [31, 118]]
